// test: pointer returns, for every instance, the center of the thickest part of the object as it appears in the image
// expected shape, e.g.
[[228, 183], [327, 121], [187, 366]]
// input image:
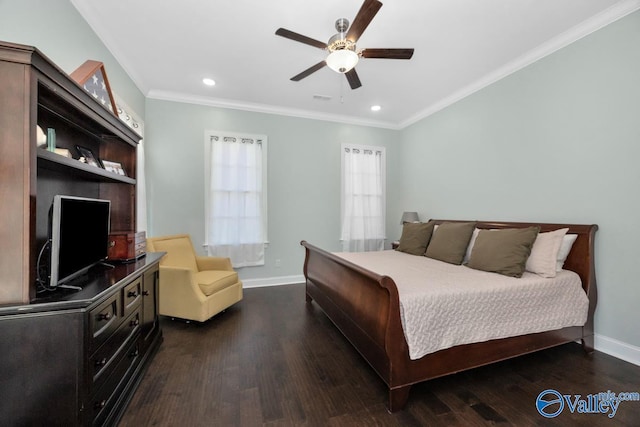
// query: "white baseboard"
[[618, 349], [272, 281]]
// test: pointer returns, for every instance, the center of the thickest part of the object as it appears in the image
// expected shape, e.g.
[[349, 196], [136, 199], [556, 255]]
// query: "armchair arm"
[[177, 284], [213, 263]]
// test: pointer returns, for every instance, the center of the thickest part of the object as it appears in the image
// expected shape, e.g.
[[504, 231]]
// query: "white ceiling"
[[460, 46]]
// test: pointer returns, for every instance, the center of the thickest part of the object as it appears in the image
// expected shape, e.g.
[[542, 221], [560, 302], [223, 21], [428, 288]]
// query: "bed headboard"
[[581, 258]]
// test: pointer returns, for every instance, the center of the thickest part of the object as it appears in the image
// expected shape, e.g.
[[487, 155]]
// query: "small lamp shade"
[[409, 217]]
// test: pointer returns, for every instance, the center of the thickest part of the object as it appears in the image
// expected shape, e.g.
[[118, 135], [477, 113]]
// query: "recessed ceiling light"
[[375, 108], [208, 82]]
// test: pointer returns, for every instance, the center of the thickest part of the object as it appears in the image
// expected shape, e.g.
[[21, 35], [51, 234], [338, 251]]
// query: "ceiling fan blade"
[[362, 20], [387, 53], [353, 79], [287, 34], [308, 71]]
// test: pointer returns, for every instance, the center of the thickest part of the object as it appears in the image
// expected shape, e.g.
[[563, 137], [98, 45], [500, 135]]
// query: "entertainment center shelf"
[[35, 93], [50, 160], [69, 357]]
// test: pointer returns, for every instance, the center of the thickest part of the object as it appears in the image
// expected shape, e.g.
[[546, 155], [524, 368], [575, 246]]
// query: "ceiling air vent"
[[322, 97]]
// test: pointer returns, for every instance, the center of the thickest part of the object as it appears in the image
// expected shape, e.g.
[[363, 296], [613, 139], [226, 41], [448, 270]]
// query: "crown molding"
[[596, 22], [266, 109]]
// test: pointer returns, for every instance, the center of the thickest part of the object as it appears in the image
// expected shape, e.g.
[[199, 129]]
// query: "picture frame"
[[93, 78], [113, 167], [89, 157]]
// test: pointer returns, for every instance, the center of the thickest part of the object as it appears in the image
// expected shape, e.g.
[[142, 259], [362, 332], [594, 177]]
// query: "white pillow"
[[467, 255], [544, 253], [567, 242]]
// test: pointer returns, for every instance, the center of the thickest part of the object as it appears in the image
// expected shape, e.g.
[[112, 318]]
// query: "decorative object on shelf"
[[114, 167], [41, 138], [129, 116], [63, 152], [89, 158], [93, 78], [127, 246], [409, 217], [51, 139]]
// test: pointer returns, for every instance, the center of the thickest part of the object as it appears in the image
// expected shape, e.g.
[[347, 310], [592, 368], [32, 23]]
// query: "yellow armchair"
[[193, 287]]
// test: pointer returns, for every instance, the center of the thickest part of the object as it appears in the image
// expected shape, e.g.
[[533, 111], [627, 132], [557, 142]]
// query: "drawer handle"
[[132, 294], [105, 316], [102, 362], [135, 322], [145, 293], [101, 404]]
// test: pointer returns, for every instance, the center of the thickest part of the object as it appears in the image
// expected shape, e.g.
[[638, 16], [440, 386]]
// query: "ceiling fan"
[[343, 55]]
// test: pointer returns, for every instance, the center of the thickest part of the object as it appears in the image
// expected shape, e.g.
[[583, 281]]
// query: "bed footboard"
[[363, 305]]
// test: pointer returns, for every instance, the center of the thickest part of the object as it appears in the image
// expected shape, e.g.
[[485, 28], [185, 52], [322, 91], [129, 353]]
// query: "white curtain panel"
[[235, 212], [363, 225]]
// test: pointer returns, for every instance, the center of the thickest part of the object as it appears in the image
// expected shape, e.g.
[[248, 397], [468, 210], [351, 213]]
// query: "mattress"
[[444, 305]]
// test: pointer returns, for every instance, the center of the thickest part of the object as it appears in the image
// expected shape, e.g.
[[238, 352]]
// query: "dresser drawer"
[[103, 360], [132, 296], [106, 396], [103, 321]]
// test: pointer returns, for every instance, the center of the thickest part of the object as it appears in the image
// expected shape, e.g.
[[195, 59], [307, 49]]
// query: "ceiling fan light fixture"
[[342, 53], [342, 60]]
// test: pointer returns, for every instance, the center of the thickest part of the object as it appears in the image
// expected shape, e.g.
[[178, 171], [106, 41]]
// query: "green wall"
[[303, 177], [558, 141]]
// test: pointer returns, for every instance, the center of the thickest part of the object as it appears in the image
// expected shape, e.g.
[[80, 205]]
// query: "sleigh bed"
[[365, 306]]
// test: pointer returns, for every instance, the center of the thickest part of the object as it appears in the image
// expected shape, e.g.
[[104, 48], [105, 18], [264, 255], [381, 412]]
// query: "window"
[[236, 196], [363, 198]]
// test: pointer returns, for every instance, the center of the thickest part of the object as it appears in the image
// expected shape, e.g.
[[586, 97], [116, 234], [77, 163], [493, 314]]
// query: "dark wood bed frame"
[[365, 308]]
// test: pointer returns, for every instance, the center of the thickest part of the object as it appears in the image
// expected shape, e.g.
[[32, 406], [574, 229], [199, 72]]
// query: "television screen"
[[79, 236]]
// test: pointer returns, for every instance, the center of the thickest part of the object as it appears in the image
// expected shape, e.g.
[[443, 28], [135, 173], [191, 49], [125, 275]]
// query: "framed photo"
[[93, 78], [89, 158], [114, 167]]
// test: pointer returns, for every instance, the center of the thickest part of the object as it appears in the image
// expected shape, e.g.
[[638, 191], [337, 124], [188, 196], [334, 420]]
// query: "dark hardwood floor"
[[274, 360]]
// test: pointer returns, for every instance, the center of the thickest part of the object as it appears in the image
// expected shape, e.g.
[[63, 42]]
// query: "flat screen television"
[[79, 236]]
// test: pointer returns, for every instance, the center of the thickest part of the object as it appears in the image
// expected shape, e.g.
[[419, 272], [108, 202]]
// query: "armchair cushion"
[[214, 280]]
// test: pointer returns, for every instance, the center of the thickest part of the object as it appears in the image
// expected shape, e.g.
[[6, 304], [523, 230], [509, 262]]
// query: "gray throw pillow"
[[503, 251], [449, 242], [415, 237]]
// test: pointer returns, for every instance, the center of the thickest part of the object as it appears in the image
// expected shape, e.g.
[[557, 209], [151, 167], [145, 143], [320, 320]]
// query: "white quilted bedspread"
[[444, 305]]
